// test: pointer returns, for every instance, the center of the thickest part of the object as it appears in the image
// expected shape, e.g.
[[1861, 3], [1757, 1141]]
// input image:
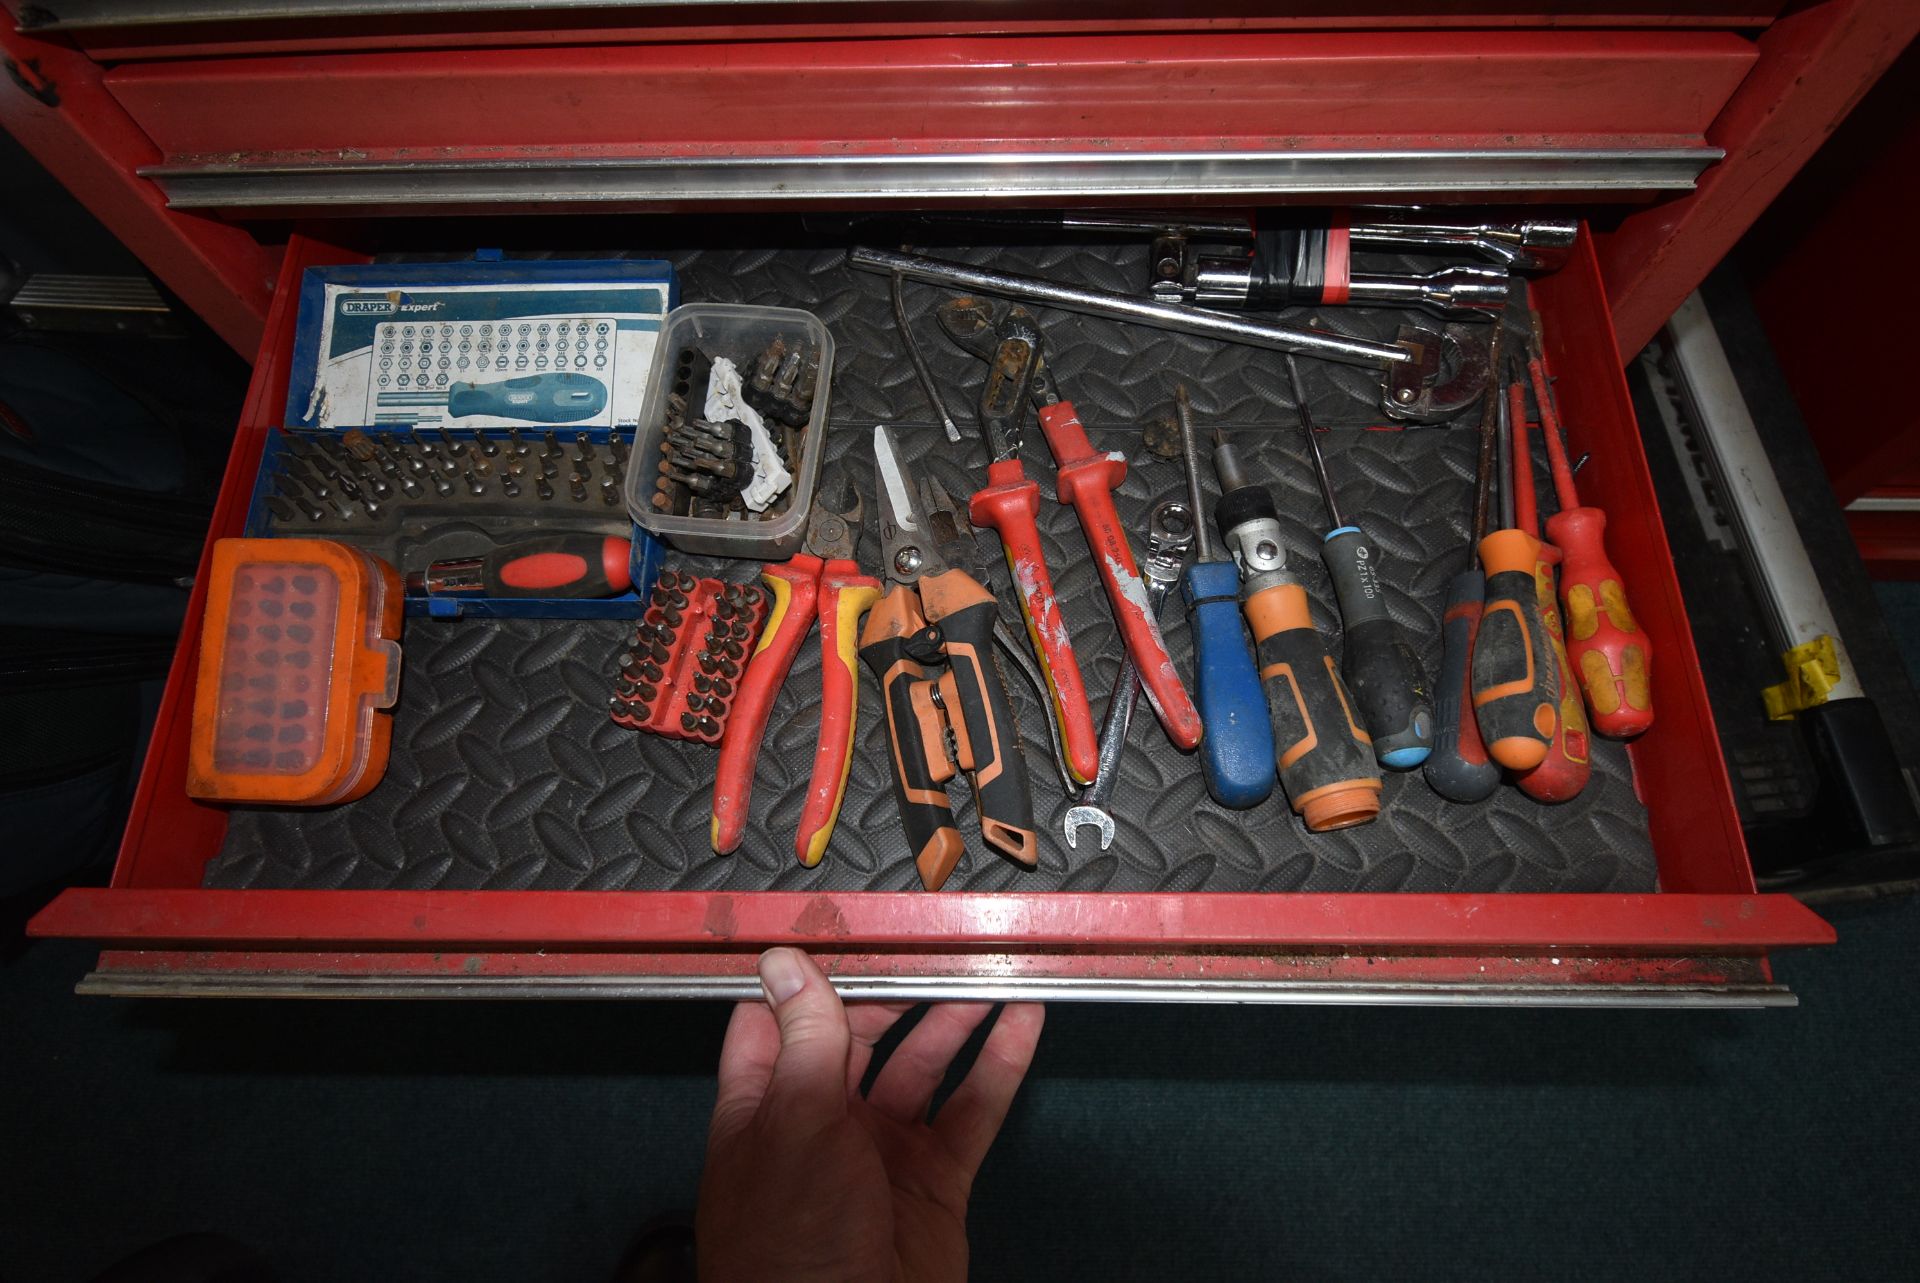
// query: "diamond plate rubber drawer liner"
[[506, 774]]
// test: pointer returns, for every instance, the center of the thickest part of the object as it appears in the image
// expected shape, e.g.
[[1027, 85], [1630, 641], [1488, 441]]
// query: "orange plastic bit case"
[[299, 659]]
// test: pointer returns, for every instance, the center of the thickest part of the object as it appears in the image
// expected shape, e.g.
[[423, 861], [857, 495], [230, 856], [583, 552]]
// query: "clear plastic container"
[[739, 332], [298, 658]]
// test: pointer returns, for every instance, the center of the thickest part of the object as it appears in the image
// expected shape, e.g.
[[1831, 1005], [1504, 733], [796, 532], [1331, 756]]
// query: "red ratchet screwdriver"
[[1009, 505], [1564, 771], [821, 581], [553, 566], [1610, 653]]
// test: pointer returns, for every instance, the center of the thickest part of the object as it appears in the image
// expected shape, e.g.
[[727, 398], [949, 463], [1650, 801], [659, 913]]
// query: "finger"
[[810, 1071], [913, 1072], [869, 1022], [971, 1118], [746, 1064]]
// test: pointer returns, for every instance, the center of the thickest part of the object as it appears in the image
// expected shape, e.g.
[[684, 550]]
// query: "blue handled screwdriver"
[[1381, 669], [1236, 746], [560, 397]]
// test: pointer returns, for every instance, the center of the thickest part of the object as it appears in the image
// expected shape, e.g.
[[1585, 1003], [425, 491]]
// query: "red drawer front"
[[1202, 92], [1705, 937]]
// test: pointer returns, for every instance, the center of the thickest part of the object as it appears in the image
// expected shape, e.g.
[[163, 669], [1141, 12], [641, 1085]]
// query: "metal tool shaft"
[[1190, 453], [896, 288], [1313, 443], [1125, 307], [1489, 438]]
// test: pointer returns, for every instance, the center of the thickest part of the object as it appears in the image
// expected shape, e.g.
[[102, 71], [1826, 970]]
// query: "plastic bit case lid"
[[297, 658]]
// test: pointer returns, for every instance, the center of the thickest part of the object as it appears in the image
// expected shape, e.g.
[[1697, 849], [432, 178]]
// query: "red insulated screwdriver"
[[1459, 768], [1564, 771], [1610, 653], [553, 566]]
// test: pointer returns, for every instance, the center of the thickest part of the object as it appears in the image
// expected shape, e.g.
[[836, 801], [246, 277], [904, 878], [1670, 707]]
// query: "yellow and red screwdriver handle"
[[1609, 651], [1565, 769], [805, 588], [1087, 479]]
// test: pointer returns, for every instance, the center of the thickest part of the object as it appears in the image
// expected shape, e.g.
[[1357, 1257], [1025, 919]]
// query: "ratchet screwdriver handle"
[[1010, 506], [1382, 672], [1236, 755], [1325, 759], [554, 566], [1086, 480]]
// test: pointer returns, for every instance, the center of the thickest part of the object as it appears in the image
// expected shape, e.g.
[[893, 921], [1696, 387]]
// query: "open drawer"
[[195, 908]]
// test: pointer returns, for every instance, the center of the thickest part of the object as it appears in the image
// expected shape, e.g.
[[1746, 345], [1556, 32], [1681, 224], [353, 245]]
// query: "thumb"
[[810, 1073]]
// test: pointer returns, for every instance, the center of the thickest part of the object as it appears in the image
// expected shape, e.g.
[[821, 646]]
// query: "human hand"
[[807, 1179]]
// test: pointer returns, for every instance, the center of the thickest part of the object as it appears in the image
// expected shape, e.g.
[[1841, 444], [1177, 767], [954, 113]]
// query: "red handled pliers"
[[1086, 479], [822, 581], [1009, 505]]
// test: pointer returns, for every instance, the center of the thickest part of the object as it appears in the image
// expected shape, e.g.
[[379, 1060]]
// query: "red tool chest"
[[272, 115]]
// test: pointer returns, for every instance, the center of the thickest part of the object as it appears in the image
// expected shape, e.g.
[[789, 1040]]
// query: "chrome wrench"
[[1170, 533]]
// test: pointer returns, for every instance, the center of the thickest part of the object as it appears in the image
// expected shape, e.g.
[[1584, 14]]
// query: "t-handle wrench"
[[1169, 535]]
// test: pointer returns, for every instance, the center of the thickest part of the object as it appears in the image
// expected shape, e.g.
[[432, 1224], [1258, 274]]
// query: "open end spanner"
[[1169, 536]]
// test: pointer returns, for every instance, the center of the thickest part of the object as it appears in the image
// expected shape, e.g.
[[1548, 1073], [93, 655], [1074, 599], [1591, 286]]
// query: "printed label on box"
[[485, 355]]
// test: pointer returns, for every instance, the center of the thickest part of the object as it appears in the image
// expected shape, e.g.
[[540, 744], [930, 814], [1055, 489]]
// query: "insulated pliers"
[[930, 642], [1086, 479], [821, 581], [1009, 505]]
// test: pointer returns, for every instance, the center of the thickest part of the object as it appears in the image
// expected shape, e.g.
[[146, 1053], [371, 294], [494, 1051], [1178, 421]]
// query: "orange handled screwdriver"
[[1563, 772], [1611, 655], [1516, 692], [1325, 757]]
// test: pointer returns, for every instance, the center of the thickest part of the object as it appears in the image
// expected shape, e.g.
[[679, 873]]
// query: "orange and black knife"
[[929, 640]]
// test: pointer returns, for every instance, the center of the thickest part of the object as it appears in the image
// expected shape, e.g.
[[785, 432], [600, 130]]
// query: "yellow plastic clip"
[[1813, 669]]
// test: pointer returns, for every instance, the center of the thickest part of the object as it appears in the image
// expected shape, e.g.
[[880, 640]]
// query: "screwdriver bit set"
[[417, 496], [729, 443], [299, 659], [707, 467], [679, 676]]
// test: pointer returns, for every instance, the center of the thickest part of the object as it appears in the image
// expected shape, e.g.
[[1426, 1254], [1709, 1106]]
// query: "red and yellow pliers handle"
[[804, 589]]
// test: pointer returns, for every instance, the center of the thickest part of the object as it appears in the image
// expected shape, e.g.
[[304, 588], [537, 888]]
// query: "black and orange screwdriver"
[[1610, 653], [1516, 692], [551, 566], [1324, 755], [1383, 674], [1458, 768], [1563, 772]]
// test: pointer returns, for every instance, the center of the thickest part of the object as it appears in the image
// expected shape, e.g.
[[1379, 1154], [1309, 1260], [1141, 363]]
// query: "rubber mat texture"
[[506, 773]]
